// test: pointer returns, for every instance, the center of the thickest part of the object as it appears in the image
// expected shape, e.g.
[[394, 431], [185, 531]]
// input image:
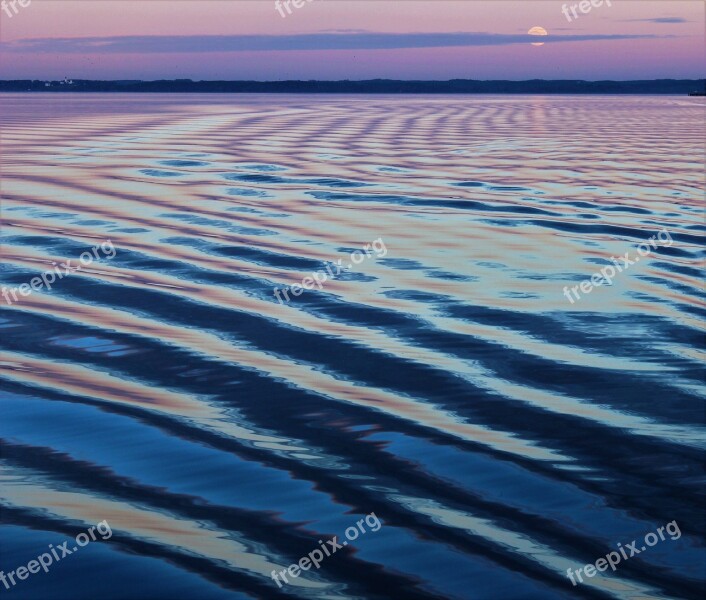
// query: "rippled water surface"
[[500, 432]]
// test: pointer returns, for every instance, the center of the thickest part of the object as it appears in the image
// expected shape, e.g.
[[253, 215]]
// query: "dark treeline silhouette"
[[374, 86]]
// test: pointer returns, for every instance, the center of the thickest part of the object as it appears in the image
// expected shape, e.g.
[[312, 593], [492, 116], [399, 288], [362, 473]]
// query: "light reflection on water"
[[448, 386]]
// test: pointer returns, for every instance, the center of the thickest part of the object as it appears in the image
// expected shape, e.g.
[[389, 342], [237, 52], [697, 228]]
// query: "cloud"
[[657, 20], [261, 43]]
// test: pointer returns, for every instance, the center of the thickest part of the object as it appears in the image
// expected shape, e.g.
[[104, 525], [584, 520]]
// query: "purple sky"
[[351, 39]]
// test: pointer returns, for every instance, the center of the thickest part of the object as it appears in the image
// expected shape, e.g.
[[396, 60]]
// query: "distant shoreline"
[[376, 86]]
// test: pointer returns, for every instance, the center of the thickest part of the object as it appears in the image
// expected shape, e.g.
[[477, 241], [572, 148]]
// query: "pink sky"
[[673, 48]]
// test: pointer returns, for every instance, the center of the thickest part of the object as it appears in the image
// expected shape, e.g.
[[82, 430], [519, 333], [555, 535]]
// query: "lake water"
[[444, 376]]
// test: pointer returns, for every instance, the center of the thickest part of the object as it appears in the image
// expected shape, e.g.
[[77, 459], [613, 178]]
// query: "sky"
[[352, 39]]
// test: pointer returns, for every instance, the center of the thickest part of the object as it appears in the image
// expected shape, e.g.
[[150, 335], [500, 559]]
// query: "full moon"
[[538, 31]]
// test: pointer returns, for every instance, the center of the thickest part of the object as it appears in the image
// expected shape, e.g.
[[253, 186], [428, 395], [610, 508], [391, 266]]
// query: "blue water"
[[437, 373]]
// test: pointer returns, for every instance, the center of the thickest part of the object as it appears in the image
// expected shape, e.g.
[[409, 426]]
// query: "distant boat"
[[697, 93]]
